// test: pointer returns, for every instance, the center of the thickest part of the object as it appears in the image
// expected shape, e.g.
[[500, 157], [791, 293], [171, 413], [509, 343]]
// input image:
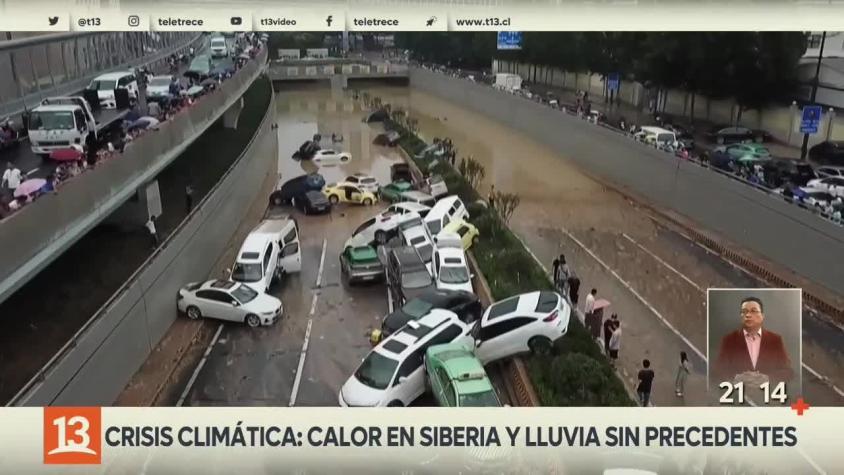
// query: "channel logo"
[[72, 435]]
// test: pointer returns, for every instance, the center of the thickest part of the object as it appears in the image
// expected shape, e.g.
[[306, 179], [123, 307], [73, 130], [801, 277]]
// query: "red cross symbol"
[[800, 406]]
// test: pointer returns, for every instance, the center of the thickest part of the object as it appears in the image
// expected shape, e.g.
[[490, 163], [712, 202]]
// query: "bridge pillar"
[[339, 82], [135, 212], [231, 115]]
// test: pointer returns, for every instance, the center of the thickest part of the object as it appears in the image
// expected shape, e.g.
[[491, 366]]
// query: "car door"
[[355, 194], [436, 267], [217, 304], [409, 382], [438, 379], [268, 270], [503, 338], [290, 257]]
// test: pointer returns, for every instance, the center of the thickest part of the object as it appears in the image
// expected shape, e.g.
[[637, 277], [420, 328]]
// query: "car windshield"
[[434, 226], [244, 294], [51, 120], [484, 399], [416, 279], [160, 82], [416, 308], [454, 275], [376, 371], [103, 85], [246, 272], [425, 251], [218, 42]]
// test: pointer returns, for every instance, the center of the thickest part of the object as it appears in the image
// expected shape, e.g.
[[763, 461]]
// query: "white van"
[[219, 49], [269, 251], [445, 211], [657, 136]]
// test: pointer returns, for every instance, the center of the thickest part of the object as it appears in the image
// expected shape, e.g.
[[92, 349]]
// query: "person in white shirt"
[[11, 177], [589, 305], [153, 233]]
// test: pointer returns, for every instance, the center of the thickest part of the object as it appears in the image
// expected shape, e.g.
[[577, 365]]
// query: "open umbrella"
[[144, 123], [601, 303], [243, 56], [29, 186], [65, 155], [195, 90]]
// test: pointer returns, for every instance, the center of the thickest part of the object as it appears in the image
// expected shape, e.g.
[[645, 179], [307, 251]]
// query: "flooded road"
[[654, 277]]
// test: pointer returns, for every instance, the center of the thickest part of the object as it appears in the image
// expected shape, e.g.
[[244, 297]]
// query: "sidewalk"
[[634, 115]]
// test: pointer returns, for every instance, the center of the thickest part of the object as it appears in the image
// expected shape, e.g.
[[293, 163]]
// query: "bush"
[[578, 373]]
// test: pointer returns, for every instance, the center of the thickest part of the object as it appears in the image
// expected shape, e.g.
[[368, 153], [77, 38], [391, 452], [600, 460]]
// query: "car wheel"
[[395, 403], [367, 202], [539, 345], [719, 140], [333, 199], [253, 321], [380, 237], [193, 313], [344, 158]]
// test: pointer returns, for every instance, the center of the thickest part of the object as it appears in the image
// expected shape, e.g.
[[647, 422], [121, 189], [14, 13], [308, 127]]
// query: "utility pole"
[[805, 148]]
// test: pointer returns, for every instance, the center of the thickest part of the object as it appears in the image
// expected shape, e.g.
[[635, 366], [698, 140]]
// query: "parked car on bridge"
[[739, 150], [106, 84], [834, 185], [218, 47], [200, 68], [159, 86], [229, 301]]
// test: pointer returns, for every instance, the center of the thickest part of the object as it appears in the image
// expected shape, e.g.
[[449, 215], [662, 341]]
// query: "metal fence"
[[49, 65]]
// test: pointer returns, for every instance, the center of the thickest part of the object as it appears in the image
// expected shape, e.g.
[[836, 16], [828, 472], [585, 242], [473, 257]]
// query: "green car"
[[457, 378], [361, 264], [739, 150], [393, 191]]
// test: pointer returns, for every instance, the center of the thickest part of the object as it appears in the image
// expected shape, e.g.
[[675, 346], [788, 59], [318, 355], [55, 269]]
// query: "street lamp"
[[804, 149]]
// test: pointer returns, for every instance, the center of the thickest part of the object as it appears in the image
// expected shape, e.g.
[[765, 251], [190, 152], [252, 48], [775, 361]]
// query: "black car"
[[311, 202], [683, 134], [465, 304], [778, 172], [307, 150], [830, 152], [407, 275], [296, 187], [730, 134], [222, 66]]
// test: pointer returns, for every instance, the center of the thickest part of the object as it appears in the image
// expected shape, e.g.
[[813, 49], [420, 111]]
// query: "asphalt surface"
[[44, 314], [265, 366]]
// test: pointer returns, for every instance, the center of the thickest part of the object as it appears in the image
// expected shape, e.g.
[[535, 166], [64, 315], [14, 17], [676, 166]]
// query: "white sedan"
[[230, 301], [832, 185], [450, 269], [328, 155], [367, 182]]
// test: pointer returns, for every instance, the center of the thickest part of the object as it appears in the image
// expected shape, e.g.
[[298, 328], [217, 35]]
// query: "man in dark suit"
[[750, 349]]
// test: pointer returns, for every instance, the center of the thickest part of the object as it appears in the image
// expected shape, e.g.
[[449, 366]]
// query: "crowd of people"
[[83, 157]]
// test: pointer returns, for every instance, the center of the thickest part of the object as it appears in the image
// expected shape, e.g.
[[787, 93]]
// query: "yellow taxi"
[[348, 193]]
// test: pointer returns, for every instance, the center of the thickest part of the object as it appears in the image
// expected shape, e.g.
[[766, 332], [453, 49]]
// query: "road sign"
[[811, 119], [613, 82], [508, 40]]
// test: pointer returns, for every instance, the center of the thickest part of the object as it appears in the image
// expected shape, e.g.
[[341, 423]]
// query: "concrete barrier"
[[33, 236], [772, 228], [96, 364]]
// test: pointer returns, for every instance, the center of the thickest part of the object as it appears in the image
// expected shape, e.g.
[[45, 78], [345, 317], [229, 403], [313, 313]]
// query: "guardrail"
[[52, 223], [25, 393]]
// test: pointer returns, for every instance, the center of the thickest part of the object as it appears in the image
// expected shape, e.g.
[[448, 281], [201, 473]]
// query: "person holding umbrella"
[[597, 317]]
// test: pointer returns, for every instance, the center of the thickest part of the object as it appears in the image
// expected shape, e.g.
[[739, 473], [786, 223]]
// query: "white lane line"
[[29, 173], [824, 379], [295, 391], [661, 261], [199, 366], [298, 378], [636, 294], [321, 264]]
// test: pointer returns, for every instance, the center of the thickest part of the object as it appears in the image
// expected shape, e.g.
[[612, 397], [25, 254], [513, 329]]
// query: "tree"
[[505, 204], [474, 172]]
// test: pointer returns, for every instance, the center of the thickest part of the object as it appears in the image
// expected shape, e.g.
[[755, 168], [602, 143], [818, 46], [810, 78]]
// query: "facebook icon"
[[329, 20]]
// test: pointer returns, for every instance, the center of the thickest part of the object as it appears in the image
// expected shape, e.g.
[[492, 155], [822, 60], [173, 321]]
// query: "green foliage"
[[575, 379], [464, 49], [505, 204]]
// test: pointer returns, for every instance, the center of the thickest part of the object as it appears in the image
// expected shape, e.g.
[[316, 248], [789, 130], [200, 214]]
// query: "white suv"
[[418, 237], [393, 373], [527, 322], [376, 230]]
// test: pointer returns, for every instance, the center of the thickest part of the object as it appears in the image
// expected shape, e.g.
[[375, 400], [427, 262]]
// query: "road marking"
[[32, 171], [321, 264], [298, 379], [199, 366], [824, 379], [635, 294], [661, 261], [299, 369]]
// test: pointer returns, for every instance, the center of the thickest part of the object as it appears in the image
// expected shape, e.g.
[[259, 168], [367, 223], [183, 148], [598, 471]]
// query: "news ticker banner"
[[419, 440], [278, 16]]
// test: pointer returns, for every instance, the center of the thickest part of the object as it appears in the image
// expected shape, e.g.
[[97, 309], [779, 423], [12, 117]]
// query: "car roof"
[[218, 284], [462, 367], [56, 107], [417, 194], [521, 305], [363, 253], [452, 253], [254, 243], [416, 231], [454, 224], [406, 340], [114, 75], [412, 206], [407, 255]]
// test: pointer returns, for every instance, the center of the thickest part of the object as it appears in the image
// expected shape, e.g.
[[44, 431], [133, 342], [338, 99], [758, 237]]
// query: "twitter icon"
[[53, 20]]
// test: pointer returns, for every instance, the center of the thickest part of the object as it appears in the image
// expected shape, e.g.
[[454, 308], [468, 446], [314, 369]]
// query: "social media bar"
[[98, 21], [211, 21], [384, 20], [299, 19]]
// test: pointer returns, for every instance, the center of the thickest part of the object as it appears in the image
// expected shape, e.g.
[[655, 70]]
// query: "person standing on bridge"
[[646, 379], [614, 343], [153, 233], [683, 370], [589, 304], [11, 177]]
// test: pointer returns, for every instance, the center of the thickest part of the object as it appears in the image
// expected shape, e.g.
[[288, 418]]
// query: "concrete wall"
[[98, 362], [782, 122], [32, 237], [771, 227]]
